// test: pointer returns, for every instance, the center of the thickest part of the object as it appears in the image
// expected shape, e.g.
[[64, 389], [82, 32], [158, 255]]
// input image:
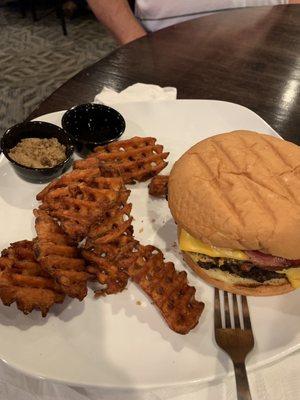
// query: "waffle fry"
[[58, 255], [78, 205], [104, 263], [22, 280], [109, 241], [158, 186], [69, 178], [167, 288], [136, 159], [117, 222]]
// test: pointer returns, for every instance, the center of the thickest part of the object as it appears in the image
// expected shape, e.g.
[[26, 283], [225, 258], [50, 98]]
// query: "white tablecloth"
[[279, 381]]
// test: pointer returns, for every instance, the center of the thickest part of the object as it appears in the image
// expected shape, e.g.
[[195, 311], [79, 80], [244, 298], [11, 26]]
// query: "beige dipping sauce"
[[38, 153]]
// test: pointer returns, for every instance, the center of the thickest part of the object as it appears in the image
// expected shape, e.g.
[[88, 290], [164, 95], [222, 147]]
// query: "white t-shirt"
[[157, 14]]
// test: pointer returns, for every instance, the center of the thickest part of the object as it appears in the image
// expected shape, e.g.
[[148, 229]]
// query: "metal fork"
[[236, 338]]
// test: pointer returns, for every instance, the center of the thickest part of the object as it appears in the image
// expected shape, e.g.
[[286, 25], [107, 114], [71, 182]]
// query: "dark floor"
[[35, 57]]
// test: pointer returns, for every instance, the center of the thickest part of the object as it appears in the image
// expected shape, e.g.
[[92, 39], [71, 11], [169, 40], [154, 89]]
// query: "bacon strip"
[[269, 262]]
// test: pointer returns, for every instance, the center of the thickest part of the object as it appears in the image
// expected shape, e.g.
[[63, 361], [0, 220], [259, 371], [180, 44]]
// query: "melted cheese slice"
[[191, 244], [293, 275]]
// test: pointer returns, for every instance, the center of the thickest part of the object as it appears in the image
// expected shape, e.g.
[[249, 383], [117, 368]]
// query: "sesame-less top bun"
[[240, 190]]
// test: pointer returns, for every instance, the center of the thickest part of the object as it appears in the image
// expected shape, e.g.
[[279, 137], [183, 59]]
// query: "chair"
[[58, 9]]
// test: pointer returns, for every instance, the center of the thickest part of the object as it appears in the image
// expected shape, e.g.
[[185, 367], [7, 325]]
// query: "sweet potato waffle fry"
[[158, 186], [110, 240], [22, 280], [59, 256], [167, 288], [78, 205], [117, 221], [136, 159], [104, 263], [74, 176]]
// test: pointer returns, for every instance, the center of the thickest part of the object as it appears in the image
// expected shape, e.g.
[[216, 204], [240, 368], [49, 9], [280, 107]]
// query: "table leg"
[[22, 6], [33, 10], [60, 14]]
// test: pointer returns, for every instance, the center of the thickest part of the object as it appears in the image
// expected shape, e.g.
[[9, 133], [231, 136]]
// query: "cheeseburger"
[[236, 200]]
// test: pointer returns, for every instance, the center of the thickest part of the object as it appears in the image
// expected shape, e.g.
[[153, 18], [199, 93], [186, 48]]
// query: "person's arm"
[[117, 16]]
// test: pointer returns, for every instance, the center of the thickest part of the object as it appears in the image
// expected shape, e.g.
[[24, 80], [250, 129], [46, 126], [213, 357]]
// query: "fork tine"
[[226, 310], [236, 312], [217, 313], [246, 316]]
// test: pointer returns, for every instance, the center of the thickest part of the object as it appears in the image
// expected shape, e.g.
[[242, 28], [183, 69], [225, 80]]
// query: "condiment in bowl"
[[92, 125], [38, 151]]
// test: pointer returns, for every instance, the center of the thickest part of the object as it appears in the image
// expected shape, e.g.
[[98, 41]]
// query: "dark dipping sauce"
[[92, 125]]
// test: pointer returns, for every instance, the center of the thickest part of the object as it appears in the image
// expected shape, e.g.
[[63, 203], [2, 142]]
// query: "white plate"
[[114, 341]]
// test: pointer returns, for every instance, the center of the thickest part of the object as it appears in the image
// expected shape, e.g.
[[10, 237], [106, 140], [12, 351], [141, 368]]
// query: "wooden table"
[[247, 56]]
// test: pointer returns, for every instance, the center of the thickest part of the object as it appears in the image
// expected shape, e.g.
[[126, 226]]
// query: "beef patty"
[[244, 269]]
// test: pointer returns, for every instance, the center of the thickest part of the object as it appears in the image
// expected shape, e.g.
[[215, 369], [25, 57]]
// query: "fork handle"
[[242, 384]]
